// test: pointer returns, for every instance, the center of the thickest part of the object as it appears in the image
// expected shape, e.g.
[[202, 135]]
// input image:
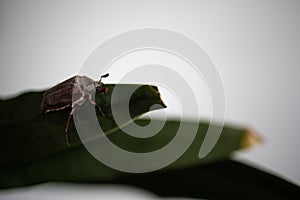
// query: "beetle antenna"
[[104, 76]]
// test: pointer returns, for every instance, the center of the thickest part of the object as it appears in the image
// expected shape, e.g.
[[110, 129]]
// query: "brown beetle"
[[72, 92]]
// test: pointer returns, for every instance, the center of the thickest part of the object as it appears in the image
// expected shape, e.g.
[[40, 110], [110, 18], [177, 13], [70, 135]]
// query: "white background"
[[255, 46]]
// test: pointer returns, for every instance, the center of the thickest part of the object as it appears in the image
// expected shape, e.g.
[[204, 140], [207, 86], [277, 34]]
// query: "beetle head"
[[100, 86]]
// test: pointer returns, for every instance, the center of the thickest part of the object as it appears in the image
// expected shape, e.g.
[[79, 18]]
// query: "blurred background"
[[255, 46]]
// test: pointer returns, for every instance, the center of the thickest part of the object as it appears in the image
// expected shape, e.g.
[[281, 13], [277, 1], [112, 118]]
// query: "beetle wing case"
[[59, 96]]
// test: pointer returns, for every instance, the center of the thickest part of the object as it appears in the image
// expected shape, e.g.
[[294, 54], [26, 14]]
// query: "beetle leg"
[[67, 125], [97, 106]]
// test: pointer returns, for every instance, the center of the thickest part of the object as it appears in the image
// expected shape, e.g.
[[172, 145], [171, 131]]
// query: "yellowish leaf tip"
[[251, 139]]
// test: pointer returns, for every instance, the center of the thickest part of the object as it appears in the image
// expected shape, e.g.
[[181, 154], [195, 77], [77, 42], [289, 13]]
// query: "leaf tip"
[[155, 88], [250, 139]]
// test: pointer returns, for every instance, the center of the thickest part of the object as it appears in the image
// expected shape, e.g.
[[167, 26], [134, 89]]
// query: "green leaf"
[[76, 164], [27, 134], [224, 179]]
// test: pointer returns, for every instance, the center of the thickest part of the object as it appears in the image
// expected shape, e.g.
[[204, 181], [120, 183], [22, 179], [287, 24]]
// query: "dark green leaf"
[[76, 164], [224, 179], [26, 134]]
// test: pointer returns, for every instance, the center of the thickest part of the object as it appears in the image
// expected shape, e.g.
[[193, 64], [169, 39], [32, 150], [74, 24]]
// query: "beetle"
[[72, 92]]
